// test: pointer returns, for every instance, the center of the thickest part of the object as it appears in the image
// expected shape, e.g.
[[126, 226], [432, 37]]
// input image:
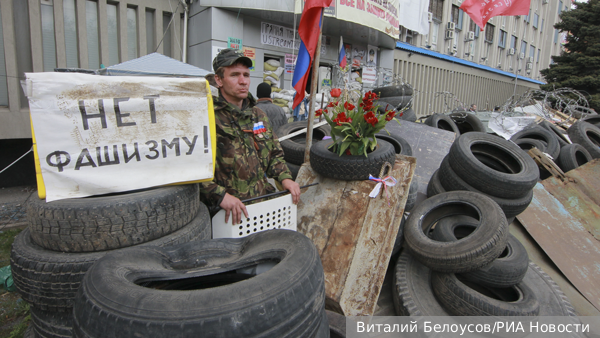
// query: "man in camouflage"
[[247, 150]]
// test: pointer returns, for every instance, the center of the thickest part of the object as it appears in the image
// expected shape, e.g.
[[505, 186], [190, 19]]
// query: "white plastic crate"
[[277, 213]]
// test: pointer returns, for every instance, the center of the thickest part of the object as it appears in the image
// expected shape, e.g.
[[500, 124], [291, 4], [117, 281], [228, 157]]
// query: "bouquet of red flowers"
[[353, 128]]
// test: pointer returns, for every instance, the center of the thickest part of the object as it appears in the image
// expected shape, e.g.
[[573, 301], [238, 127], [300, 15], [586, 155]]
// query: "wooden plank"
[[556, 226], [354, 234]]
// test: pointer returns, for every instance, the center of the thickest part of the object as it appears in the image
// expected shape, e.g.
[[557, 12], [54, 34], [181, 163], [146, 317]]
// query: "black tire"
[[293, 148], [560, 134], [466, 122], [113, 221], [442, 121], [514, 183], [286, 301], [587, 135], [350, 167], [337, 324], [49, 279], [398, 90], [505, 271], [511, 207], [463, 298], [52, 324], [400, 145], [294, 168], [528, 143], [399, 237], [573, 156], [593, 119], [435, 186], [413, 294], [396, 102], [542, 134], [479, 249], [412, 195], [407, 115]]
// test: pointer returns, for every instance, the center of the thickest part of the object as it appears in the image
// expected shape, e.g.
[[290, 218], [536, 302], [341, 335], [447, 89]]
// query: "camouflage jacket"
[[243, 159]]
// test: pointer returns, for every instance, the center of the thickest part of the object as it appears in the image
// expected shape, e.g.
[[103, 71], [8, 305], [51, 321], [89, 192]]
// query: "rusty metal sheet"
[[354, 234], [557, 226]]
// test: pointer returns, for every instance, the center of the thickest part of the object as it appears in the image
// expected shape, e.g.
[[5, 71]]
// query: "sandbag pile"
[[272, 73]]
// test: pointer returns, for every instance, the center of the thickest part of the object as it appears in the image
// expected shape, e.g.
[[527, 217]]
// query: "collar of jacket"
[[247, 104], [264, 99]]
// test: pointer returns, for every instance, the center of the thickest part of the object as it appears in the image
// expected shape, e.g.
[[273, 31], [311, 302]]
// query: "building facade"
[[482, 67]]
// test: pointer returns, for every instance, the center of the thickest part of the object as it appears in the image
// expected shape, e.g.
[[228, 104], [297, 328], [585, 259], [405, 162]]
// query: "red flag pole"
[[313, 91]]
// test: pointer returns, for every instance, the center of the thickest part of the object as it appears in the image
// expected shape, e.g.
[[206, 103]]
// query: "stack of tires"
[[65, 238], [399, 97], [586, 133], [460, 260], [293, 148], [269, 284], [467, 122], [442, 121], [491, 166]]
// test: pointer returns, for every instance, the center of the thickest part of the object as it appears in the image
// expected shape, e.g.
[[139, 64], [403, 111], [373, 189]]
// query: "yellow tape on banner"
[[38, 169]]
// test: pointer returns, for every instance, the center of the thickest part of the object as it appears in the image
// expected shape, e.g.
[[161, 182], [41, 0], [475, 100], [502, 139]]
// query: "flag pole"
[[313, 91]]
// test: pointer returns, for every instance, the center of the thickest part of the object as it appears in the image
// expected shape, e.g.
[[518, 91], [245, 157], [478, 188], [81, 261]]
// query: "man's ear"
[[218, 81]]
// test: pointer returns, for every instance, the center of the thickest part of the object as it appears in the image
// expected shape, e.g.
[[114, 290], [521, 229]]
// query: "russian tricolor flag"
[[309, 31], [342, 53]]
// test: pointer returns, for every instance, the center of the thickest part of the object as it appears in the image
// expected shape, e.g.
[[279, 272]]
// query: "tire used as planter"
[[192, 288], [350, 167], [514, 183], [442, 121], [505, 271], [480, 248], [463, 298], [466, 122], [542, 134], [587, 135], [49, 279], [113, 221], [398, 90], [293, 148], [573, 156], [414, 296]]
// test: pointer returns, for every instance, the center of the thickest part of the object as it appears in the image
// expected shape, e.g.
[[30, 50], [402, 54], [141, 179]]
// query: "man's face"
[[235, 82]]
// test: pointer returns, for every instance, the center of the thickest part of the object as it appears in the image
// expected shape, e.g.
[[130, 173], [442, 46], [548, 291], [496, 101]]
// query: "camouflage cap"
[[229, 56]]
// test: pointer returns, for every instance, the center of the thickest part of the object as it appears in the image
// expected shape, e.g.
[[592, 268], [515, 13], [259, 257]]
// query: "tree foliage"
[[578, 66]]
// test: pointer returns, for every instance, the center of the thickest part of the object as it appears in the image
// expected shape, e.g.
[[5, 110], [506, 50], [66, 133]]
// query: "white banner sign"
[[103, 134], [369, 75]]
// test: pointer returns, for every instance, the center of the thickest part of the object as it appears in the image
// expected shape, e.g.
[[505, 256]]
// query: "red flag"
[[308, 30], [483, 10]]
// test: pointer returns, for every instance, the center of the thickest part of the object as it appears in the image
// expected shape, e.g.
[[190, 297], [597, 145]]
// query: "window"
[[489, 33], [132, 36], [113, 34], [434, 33], [48, 43], [166, 41], [542, 26], [436, 7], [3, 85], [536, 19], [555, 35], [409, 36], [531, 51], [456, 16], [150, 44], [502, 39], [538, 56], [70, 24], [528, 16], [22, 43], [91, 18], [474, 28], [523, 48], [513, 42], [560, 5]]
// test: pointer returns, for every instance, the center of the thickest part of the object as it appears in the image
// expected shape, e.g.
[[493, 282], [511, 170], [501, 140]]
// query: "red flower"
[[342, 116], [349, 106], [390, 115], [332, 104], [319, 112], [336, 92], [371, 119], [348, 152], [337, 121]]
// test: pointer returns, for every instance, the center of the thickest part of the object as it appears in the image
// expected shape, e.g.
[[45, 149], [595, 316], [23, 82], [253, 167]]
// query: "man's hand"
[[293, 188], [236, 207]]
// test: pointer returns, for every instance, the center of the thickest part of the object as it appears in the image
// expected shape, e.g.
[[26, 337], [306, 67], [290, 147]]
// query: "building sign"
[[105, 134], [290, 63], [234, 43], [251, 54], [279, 36]]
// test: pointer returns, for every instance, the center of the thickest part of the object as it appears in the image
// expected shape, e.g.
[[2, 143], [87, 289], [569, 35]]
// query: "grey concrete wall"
[[429, 75]]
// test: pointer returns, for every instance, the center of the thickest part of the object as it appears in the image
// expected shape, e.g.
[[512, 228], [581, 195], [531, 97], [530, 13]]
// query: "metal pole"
[[313, 91], [185, 29]]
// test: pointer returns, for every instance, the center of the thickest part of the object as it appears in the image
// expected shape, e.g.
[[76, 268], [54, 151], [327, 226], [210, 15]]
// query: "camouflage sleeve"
[[211, 193], [277, 168]]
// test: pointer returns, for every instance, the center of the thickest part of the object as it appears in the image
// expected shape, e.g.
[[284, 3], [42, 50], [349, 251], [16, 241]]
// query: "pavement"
[[13, 202]]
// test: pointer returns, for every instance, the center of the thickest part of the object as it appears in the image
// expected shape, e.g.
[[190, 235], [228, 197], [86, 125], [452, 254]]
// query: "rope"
[[17, 160]]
